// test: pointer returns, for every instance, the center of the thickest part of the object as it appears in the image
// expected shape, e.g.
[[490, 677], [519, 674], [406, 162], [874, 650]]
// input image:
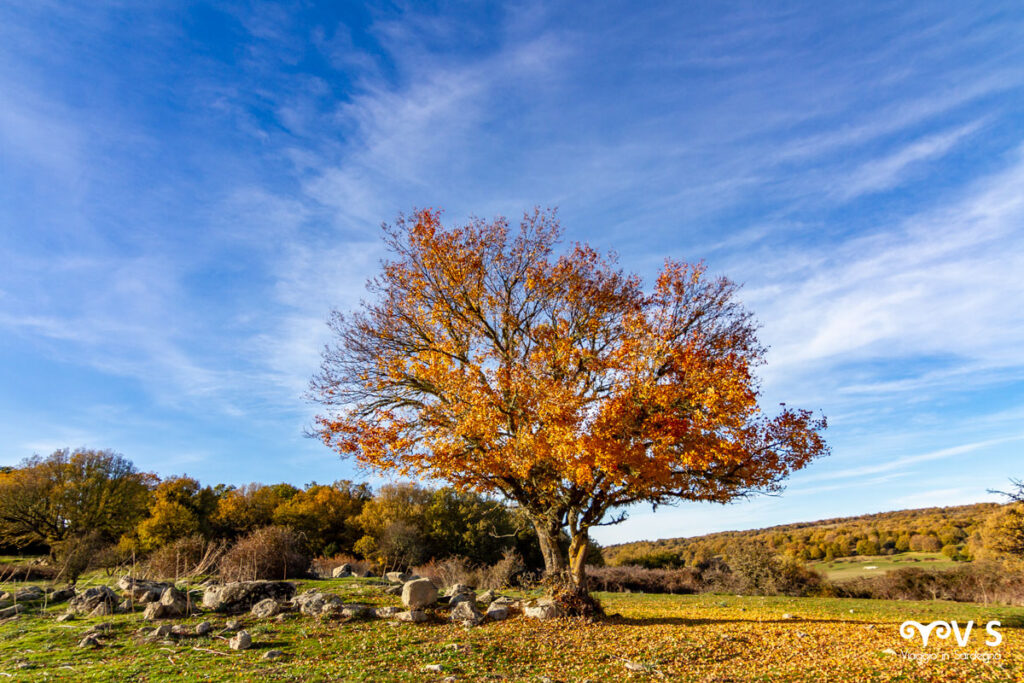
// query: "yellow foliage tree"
[[556, 381]]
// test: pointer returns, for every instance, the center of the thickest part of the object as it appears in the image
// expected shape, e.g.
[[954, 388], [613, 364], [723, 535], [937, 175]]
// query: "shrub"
[[185, 558], [75, 555], [271, 552]]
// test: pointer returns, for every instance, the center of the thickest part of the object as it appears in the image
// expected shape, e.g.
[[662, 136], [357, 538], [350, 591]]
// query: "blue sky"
[[187, 189]]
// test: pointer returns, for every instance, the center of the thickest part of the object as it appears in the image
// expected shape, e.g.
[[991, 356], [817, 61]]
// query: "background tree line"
[[98, 503], [967, 532]]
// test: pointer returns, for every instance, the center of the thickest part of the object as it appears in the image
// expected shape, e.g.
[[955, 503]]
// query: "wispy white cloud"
[[909, 461], [888, 172]]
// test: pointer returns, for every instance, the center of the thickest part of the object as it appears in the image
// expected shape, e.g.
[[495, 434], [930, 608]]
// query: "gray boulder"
[[175, 601], [543, 609], [161, 631], [314, 602], [398, 577], [357, 612], [264, 609], [240, 596], [28, 594], [89, 599], [460, 589], [460, 598], [141, 590], [487, 597], [241, 641], [103, 609], [60, 595], [342, 571], [467, 613], [497, 612], [414, 616], [203, 628], [11, 611], [418, 594]]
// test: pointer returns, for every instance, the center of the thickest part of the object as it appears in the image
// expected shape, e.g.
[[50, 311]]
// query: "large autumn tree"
[[557, 381]]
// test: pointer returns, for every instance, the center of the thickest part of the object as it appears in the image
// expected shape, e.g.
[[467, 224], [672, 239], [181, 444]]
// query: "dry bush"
[[323, 566], [272, 552], [635, 579], [506, 572], [452, 570], [448, 572], [187, 557], [985, 582]]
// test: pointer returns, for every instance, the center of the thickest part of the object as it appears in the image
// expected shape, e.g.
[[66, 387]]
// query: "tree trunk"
[[578, 561], [558, 564], [554, 558]]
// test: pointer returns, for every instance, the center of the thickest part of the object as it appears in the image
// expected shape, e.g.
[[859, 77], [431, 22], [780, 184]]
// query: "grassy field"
[[857, 567], [665, 637]]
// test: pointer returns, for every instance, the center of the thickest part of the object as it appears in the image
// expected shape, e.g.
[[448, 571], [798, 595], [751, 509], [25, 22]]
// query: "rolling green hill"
[[844, 546]]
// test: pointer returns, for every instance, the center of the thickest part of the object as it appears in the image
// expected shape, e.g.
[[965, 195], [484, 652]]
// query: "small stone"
[[386, 612], [232, 625], [888, 651], [241, 641], [273, 654], [161, 631], [342, 571], [203, 628], [180, 630], [789, 616], [393, 590], [414, 616], [434, 668], [487, 597], [67, 616], [89, 641]]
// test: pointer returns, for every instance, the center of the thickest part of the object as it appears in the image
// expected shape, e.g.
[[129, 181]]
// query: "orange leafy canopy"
[[485, 360]]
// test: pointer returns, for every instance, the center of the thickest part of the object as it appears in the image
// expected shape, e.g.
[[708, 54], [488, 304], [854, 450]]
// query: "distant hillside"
[[952, 530]]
